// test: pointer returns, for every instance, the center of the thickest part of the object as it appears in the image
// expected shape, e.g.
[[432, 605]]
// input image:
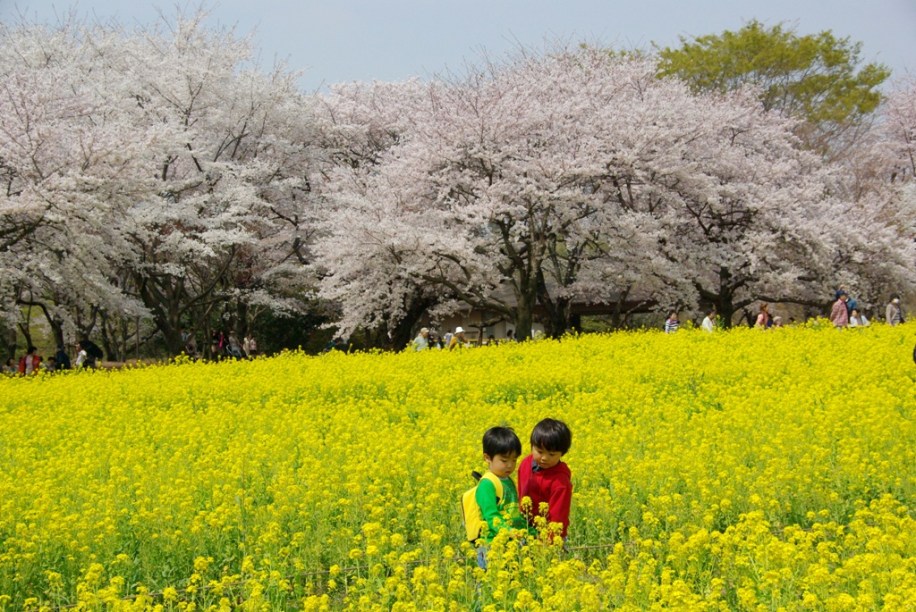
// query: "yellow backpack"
[[470, 511]]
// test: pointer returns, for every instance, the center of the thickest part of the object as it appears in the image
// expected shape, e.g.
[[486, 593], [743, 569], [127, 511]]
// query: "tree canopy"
[[155, 175], [159, 181], [575, 177], [818, 78]]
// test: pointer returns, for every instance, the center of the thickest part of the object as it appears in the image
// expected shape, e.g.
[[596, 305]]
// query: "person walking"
[[857, 319], [671, 323], [30, 362], [61, 359], [709, 321], [88, 354], [421, 342], [458, 340], [839, 315], [763, 317], [250, 346], [894, 313], [233, 346]]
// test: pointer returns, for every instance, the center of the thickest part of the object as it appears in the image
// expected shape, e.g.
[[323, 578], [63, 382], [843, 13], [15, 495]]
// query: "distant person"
[[189, 342], [839, 315], [545, 479], [8, 367], [857, 319], [217, 344], [894, 312], [62, 359], [851, 302], [81, 356], [30, 363], [87, 354], [510, 335], [709, 321], [421, 342], [233, 346], [458, 339], [763, 317], [250, 346], [671, 323]]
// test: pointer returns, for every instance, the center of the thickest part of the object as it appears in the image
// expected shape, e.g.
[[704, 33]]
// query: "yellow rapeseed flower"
[[710, 472]]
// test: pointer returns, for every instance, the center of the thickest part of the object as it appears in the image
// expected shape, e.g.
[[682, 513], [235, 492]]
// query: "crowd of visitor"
[[844, 312], [223, 345], [88, 355]]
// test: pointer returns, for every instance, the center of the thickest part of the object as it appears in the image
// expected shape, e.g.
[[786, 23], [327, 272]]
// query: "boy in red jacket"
[[544, 479]]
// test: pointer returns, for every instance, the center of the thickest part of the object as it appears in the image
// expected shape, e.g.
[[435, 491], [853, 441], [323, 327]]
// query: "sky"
[[335, 41]]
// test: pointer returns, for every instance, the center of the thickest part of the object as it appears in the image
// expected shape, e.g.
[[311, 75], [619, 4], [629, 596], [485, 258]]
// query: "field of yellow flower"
[[742, 470]]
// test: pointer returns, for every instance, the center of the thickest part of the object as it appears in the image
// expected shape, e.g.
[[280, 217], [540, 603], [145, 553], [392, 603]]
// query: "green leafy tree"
[[816, 78]]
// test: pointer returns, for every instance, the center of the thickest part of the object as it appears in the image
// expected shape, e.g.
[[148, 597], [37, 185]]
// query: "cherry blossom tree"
[[578, 177], [878, 254], [158, 177], [224, 225], [367, 275], [172, 174], [898, 131], [61, 162]]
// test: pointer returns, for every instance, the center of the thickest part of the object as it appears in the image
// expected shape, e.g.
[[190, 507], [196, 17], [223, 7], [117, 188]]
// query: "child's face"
[[545, 458], [501, 465]]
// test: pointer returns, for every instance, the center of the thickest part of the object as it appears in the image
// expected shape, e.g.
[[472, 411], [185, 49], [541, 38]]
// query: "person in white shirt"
[[250, 346], [82, 357], [856, 319], [709, 322], [421, 342]]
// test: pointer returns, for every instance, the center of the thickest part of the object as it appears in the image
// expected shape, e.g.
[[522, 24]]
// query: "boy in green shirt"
[[501, 450]]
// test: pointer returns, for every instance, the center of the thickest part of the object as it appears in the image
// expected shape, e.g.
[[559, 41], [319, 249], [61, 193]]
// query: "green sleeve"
[[489, 506], [502, 514]]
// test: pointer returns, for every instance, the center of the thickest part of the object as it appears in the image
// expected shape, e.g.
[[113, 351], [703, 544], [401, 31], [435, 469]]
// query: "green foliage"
[[815, 78], [275, 332]]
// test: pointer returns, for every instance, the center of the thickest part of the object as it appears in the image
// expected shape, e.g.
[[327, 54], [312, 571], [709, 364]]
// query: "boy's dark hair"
[[552, 435], [501, 441]]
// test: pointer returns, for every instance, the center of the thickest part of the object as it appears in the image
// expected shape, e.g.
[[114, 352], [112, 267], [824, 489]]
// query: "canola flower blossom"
[[745, 470]]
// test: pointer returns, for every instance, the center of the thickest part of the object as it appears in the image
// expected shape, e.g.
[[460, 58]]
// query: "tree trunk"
[[241, 324], [57, 329], [9, 341], [558, 310], [524, 310], [164, 316], [402, 334], [56, 325], [24, 327], [558, 316], [723, 297]]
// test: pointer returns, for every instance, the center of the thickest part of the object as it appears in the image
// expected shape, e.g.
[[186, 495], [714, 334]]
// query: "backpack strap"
[[497, 484]]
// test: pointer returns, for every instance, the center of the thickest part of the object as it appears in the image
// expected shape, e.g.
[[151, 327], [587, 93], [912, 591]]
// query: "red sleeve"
[[524, 477], [560, 501]]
